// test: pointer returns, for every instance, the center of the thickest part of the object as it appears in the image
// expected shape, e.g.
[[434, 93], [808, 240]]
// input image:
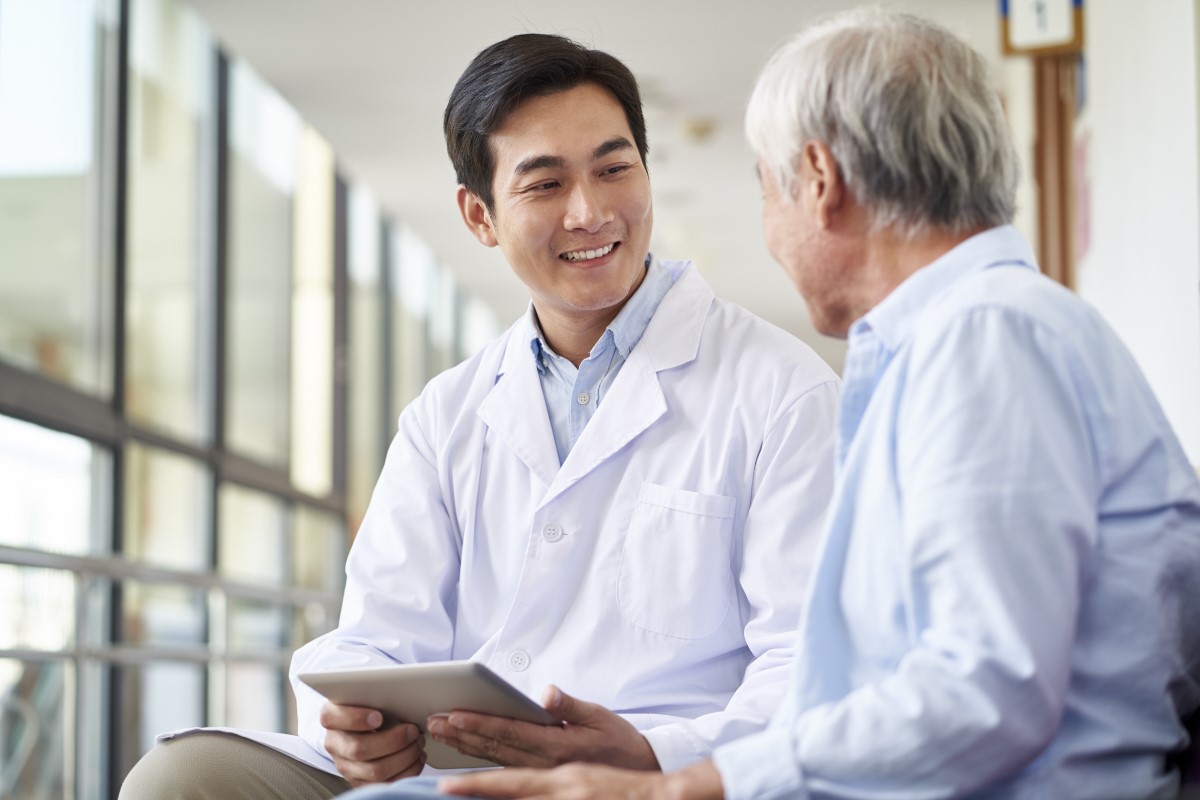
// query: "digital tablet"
[[414, 692]]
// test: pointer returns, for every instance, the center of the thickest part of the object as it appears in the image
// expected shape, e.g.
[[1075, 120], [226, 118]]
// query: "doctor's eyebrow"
[[613, 145], [533, 163], [538, 162]]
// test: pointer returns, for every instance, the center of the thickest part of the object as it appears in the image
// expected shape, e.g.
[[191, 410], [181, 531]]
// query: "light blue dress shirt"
[[574, 393], [1007, 604]]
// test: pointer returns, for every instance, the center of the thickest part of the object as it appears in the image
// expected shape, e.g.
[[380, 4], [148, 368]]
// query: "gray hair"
[[908, 112]]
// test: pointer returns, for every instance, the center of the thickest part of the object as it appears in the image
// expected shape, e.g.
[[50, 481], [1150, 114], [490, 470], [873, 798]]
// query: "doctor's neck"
[[573, 334]]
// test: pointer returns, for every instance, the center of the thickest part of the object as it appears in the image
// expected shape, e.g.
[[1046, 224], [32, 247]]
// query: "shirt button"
[[583, 399], [552, 533], [518, 660]]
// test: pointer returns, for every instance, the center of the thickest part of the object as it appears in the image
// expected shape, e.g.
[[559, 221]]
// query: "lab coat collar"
[[635, 400], [673, 336], [516, 410]]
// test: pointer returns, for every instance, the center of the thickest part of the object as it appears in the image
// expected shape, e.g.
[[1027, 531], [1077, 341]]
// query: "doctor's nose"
[[586, 209]]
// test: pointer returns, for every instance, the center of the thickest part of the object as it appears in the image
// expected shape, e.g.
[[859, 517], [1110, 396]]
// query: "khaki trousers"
[[221, 766]]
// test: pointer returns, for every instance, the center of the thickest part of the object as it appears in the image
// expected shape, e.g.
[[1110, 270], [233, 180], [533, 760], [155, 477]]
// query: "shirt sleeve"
[[996, 472], [401, 575], [793, 480]]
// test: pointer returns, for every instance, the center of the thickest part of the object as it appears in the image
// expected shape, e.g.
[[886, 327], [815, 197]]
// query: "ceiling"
[[373, 77]]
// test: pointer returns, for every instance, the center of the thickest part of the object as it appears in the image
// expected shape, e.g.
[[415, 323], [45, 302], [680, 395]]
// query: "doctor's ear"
[[477, 217]]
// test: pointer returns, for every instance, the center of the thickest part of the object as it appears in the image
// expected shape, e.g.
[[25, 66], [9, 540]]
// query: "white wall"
[[1015, 84], [1142, 269]]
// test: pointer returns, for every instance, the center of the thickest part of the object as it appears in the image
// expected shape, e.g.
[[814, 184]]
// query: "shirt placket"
[[864, 362], [584, 393]]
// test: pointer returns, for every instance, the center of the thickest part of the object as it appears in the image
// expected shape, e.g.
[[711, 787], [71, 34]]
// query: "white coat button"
[[583, 399], [552, 533], [518, 660]]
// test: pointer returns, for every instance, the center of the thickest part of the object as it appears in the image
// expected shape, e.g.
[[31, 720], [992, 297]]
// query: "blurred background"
[[230, 255]]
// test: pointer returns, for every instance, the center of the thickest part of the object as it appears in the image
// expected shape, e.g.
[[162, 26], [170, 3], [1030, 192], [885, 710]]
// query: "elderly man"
[[1007, 603], [621, 495]]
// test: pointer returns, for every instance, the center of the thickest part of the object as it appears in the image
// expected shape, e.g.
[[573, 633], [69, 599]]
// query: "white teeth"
[[587, 255]]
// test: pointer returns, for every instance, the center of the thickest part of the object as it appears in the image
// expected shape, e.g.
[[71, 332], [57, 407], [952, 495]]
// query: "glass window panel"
[[55, 189], [255, 626], [37, 608], [291, 722], [368, 422], [413, 269], [320, 552], [37, 728], [94, 740], [443, 327], [170, 89], [162, 615], [264, 147], [310, 621], [255, 697], [166, 508], [53, 490], [251, 538], [95, 621], [312, 319], [157, 697], [479, 326]]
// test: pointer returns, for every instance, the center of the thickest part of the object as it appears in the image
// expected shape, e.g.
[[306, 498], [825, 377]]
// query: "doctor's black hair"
[[512, 71]]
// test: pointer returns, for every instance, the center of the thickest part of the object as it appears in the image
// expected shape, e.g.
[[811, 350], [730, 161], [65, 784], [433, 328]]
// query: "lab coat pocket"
[[676, 575]]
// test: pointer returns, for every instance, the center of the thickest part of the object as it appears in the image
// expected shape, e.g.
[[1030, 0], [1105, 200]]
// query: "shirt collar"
[[540, 351], [627, 328], [893, 319]]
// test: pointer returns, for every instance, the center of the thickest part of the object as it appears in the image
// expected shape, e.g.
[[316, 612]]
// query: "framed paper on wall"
[[1041, 27]]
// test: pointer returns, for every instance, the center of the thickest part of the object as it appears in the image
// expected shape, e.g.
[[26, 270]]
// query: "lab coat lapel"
[[636, 400], [515, 409]]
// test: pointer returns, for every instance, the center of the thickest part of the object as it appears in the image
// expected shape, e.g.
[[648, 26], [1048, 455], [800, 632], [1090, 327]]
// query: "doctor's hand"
[[591, 733], [363, 752]]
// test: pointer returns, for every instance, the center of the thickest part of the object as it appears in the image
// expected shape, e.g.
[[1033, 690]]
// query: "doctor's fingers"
[[373, 745], [505, 744], [334, 717], [406, 762]]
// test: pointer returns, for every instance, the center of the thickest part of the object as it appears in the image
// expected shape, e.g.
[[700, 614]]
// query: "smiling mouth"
[[577, 256]]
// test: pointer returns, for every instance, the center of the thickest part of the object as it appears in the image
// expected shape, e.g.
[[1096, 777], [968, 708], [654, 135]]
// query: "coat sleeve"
[[401, 574], [792, 484]]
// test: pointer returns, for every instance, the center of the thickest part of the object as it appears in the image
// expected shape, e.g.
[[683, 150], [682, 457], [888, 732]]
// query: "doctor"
[[615, 505]]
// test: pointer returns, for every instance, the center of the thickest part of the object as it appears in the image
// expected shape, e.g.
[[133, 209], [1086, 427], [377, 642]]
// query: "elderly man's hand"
[[570, 782], [589, 782], [363, 753], [590, 733]]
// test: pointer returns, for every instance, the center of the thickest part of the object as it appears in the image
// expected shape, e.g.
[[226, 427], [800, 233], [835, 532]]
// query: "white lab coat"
[[659, 571]]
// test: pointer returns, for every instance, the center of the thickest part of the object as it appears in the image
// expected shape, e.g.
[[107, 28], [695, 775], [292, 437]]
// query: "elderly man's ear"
[[821, 181]]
